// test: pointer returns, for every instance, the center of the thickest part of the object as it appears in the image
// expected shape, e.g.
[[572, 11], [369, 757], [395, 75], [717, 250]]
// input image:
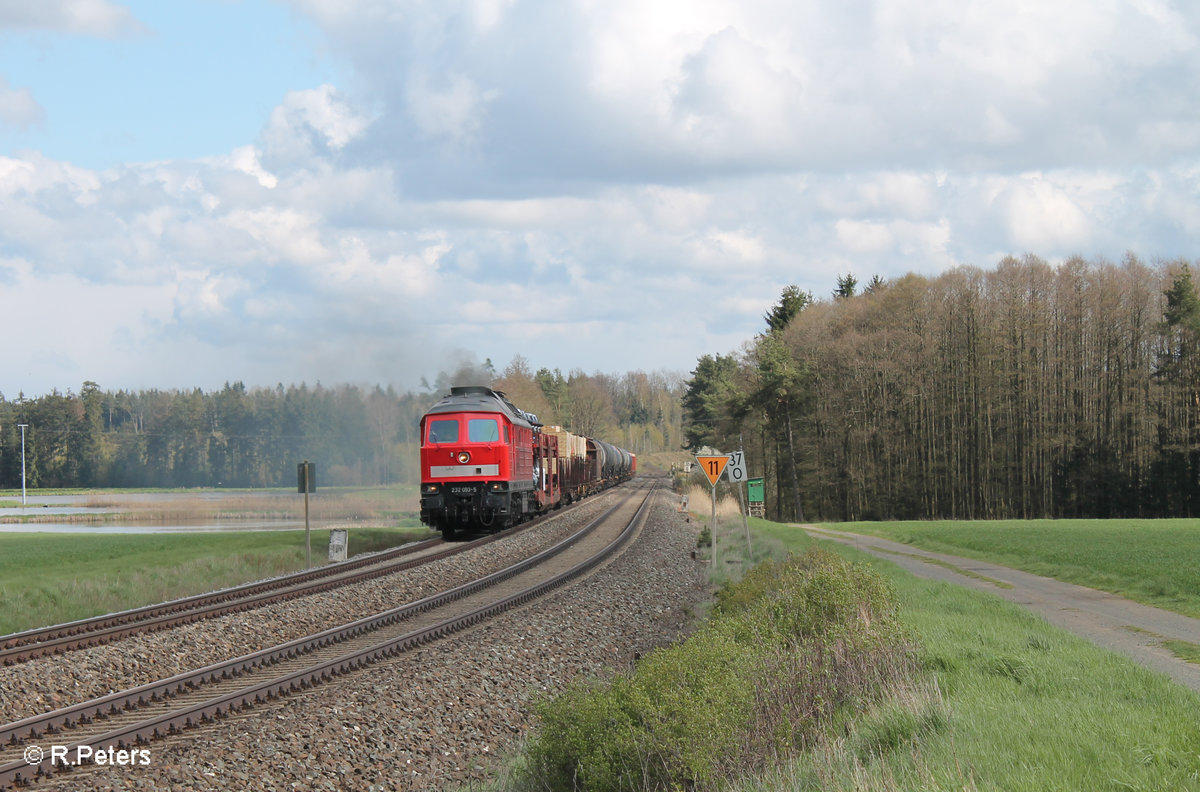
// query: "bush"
[[788, 649], [817, 596], [679, 717]]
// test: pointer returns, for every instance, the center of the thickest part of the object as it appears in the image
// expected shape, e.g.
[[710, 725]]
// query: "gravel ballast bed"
[[441, 716], [58, 681]]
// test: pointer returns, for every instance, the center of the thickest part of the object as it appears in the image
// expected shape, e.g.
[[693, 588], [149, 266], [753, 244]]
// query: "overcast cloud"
[[605, 186]]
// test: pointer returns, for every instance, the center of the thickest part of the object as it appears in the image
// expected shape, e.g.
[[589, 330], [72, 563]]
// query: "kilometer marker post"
[[735, 471]]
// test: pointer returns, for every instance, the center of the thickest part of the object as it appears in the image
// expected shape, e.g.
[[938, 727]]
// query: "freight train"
[[487, 465]]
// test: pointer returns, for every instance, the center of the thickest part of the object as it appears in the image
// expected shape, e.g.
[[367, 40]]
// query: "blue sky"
[[179, 80], [372, 191]]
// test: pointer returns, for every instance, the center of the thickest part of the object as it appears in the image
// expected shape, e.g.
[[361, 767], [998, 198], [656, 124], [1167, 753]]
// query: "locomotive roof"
[[477, 398]]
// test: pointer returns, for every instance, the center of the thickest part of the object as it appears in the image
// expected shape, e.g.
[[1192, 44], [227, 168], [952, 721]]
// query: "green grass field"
[[49, 578], [1021, 705], [1156, 562]]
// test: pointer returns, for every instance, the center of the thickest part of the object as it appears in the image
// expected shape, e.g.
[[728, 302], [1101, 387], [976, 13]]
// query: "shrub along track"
[[136, 716]]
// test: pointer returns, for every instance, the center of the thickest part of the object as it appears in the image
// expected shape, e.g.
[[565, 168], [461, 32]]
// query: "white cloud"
[[632, 160], [1040, 215], [737, 246], [451, 110], [89, 17], [311, 123], [730, 98], [282, 234], [864, 236], [18, 109], [247, 159], [401, 277]]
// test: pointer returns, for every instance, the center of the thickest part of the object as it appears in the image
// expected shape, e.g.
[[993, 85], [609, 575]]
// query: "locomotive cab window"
[[483, 430], [443, 431]]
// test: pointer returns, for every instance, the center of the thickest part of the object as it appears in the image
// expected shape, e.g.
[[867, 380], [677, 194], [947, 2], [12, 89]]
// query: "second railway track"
[[123, 719], [56, 639]]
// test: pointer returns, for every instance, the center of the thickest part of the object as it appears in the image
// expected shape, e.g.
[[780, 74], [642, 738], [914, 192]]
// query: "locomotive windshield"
[[483, 430], [479, 430], [444, 430]]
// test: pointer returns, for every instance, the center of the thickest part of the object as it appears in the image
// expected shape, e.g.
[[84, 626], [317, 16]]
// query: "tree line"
[[254, 437], [1023, 391]]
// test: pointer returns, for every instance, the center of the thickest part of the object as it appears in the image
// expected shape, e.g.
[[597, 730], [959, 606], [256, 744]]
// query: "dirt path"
[[1107, 620]]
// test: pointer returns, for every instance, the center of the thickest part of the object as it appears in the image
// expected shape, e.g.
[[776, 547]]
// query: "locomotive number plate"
[[462, 490]]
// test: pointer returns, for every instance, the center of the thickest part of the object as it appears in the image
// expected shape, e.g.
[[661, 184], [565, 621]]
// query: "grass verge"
[[53, 578], [1000, 700], [1029, 706], [1156, 562], [789, 652]]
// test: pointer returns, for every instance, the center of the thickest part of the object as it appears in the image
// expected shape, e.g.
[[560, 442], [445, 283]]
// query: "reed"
[[379, 506]]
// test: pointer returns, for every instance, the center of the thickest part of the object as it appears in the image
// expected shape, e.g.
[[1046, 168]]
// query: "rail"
[[19, 772]]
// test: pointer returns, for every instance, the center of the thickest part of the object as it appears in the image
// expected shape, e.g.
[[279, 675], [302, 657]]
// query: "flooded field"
[[113, 511]]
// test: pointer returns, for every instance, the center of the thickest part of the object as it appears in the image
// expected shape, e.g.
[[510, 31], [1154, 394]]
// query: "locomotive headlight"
[[430, 489], [463, 457]]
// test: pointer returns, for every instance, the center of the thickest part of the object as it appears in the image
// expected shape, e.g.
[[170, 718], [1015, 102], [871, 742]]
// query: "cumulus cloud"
[[1041, 216], [618, 165], [731, 99], [309, 124], [452, 110], [670, 88]]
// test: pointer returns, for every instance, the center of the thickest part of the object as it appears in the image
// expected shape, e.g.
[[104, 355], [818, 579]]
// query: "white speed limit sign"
[[736, 469]]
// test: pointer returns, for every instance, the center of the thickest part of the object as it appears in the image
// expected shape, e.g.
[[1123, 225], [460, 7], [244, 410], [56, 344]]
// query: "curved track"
[[133, 717], [56, 639]]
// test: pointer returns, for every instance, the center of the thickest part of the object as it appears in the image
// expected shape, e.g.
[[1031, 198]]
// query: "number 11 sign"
[[713, 467]]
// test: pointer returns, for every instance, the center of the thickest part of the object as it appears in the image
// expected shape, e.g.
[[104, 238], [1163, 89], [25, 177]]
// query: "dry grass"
[[361, 507], [700, 504]]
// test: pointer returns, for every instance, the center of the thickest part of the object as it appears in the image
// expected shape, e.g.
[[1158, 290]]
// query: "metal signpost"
[[737, 475], [306, 482], [713, 466], [23, 428]]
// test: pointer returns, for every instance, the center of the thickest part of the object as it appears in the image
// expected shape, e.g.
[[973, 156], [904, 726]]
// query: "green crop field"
[[1156, 562]]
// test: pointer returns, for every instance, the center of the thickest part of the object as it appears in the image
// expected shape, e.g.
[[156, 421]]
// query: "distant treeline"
[[1024, 391], [254, 437]]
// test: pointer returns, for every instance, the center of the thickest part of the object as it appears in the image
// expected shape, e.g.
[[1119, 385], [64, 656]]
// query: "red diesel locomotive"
[[486, 464]]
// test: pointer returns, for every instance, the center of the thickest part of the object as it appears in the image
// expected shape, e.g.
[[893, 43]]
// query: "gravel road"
[[1105, 619]]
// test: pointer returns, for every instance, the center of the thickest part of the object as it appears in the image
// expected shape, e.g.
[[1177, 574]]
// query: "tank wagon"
[[486, 464]]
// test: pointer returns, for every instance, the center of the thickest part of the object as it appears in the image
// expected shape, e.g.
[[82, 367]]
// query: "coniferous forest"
[[254, 437], [1018, 392]]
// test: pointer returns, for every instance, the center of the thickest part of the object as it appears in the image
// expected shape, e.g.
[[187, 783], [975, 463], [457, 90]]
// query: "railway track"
[[130, 718], [21, 647]]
